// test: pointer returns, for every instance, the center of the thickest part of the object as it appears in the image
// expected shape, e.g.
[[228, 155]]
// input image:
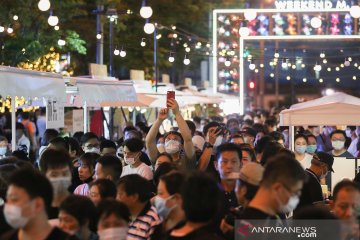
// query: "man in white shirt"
[[21, 139], [132, 153]]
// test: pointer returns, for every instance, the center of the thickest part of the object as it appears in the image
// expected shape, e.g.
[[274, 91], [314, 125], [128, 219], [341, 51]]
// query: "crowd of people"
[[193, 182]]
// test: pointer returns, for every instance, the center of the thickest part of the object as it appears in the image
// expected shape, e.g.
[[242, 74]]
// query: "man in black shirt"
[[321, 164], [279, 189]]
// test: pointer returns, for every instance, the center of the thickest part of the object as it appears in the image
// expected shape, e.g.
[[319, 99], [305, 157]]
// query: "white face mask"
[[118, 233], [338, 145], [291, 205], [129, 161], [3, 151], [172, 146], [93, 150], [161, 147], [161, 208], [60, 185], [218, 141], [13, 216]]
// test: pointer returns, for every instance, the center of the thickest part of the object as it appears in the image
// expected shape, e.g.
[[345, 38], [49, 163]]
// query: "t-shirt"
[[55, 234], [255, 214], [306, 161], [346, 154], [142, 170], [203, 233], [311, 191], [353, 146]]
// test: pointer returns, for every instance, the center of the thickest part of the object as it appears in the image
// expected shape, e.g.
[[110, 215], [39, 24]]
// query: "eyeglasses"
[[296, 193]]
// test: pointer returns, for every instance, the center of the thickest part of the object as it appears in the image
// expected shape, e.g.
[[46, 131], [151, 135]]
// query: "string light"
[[337, 79], [329, 69], [322, 54], [10, 30], [186, 60], [171, 58], [304, 80], [325, 61], [146, 12], [98, 36], [116, 51], [321, 80], [61, 42], [187, 49], [288, 78], [143, 43], [272, 75], [56, 28], [44, 5], [354, 77], [122, 52], [15, 17], [252, 66], [227, 63], [2, 29], [276, 54], [53, 20], [149, 28]]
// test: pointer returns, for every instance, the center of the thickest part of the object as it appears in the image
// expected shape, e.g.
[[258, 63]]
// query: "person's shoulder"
[[253, 213], [58, 234]]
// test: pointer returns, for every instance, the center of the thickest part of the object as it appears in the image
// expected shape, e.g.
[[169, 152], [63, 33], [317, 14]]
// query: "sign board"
[[137, 74], [98, 70], [54, 114], [78, 120], [310, 5]]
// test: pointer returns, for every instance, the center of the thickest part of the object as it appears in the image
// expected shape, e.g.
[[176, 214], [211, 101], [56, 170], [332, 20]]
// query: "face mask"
[[129, 161], [160, 205], [323, 175], [93, 150], [161, 147], [348, 133], [311, 149], [172, 146], [291, 205], [338, 145], [118, 233], [300, 149], [13, 216], [218, 141], [60, 185], [3, 151]]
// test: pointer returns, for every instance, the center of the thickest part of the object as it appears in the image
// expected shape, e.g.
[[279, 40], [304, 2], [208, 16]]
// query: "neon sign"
[[310, 5]]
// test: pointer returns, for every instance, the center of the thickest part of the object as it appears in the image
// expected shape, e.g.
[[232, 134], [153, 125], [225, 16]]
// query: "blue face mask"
[[311, 149], [300, 149]]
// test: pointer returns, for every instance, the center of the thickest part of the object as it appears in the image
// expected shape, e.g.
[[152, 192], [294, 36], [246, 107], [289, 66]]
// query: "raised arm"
[[184, 129], [150, 140], [209, 149]]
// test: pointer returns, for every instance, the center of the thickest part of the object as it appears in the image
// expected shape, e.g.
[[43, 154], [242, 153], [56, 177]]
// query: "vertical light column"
[[241, 76], [214, 54]]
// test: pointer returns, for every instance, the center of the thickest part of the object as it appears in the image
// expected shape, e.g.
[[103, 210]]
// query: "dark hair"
[[174, 181], [277, 136], [200, 196], [25, 115], [107, 144], [108, 207], [107, 188], [232, 120], [191, 126], [73, 144], [338, 132], [34, 183], [87, 136], [129, 128], [59, 143], [89, 159], [258, 127], [197, 119], [300, 135], [174, 133], [166, 155], [81, 208], [20, 126], [261, 143], [5, 172], [134, 144], [163, 169], [283, 168], [78, 136], [346, 185], [54, 158], [248, 122], [228, 147], [270, 122], [49, 134], [3, 138], [270, 150], [310, 136], [251, 190], [20, 154], [246, 147], [210, 125], [235, 136], [111, 165], [135, 184]]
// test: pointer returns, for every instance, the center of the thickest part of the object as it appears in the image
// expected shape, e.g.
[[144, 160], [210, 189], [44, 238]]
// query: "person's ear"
[[39, 204], [216, 165]]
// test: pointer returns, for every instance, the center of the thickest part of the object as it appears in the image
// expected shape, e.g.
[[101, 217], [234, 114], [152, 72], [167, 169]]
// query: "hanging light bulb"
[[146, 11], [284, 64], [2, 29], [186, 60], [276, 54], [337, 79], [252, 66], [244, 31], [321, 80], [44, 5], [187, 49], [171, 58], [322, 54], [15, 17], [122, 52], [116, 52], [99, 36], [317, 67], [346, 63], [61, 42], [304, 80], [149, 28], [355, 11], [227, 63], [56, 28], [10, 30], [143, 43], [53, 20], [316, 22], [250, 14]]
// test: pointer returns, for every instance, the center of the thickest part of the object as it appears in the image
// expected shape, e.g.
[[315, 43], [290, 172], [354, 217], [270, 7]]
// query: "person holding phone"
[[178, 145]]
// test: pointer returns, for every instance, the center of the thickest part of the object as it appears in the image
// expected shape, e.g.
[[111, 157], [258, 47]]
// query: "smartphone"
[[169, 95]]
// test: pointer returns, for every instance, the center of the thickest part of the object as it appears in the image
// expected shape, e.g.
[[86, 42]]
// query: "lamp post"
[[155, 59], [112, 15]]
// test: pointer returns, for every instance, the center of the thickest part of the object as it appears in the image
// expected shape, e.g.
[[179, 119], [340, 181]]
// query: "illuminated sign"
[[311, 5]]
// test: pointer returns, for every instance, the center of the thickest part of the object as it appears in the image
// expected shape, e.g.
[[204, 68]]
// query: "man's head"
[[228, 160], [132, 150], [283, 180], [86, 167], [249, 135], [108, 167], [278, 136], [346, 202], [49, 134], [233, 124], [322, 163], [200, 196], [237, 139], [133, 190], [4, 144], [131, 132], [191, 126], [20, 129], [173, 142], [90, 143], [58, 143], [248, 183], [112, 214], [108, 147], [28, 197], [338, 138]]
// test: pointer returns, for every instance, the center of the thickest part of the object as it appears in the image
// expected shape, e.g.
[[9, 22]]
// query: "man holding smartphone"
[[179, 146]]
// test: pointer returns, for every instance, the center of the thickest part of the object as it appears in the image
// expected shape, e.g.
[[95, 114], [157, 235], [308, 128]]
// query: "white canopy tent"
[[90, 92], [31, 85], [336, 109]]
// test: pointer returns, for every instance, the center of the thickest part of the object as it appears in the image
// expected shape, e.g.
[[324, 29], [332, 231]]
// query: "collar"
[[312, 173]]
